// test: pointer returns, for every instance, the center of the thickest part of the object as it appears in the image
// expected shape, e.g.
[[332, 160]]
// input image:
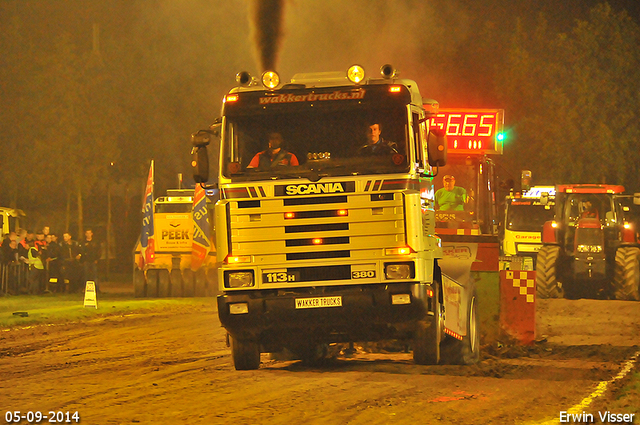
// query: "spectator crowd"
[[35, 263]]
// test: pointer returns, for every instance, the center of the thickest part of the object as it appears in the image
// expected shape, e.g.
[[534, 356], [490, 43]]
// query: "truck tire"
[[626, 279], [139, 283], [546, 280], [467, 350], [311, 354], [188, 283], [176, 283], [152, 283], [245, 354], [201, 283], [164, 283], [426, 340]]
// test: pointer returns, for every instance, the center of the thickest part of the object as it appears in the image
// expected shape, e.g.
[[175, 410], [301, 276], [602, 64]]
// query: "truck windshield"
[[525, 216], [316, 142]]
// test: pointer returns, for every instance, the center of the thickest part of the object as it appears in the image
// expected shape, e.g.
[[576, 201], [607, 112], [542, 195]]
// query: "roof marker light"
[[355, 74], [270, 79]]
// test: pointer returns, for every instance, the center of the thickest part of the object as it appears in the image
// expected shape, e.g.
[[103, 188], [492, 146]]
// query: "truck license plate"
[[319, 302]]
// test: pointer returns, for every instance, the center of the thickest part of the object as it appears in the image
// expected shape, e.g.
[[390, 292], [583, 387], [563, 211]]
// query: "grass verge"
[[56, 308]]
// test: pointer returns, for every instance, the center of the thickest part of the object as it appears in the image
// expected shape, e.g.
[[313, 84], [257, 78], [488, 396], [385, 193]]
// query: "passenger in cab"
[[274, 156], [376, 144], [451, 197]]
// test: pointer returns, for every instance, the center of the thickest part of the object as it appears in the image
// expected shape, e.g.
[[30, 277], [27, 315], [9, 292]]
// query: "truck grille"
[[305, 232], [318, 254]]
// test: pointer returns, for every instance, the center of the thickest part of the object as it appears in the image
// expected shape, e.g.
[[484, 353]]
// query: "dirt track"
[[173, 367]]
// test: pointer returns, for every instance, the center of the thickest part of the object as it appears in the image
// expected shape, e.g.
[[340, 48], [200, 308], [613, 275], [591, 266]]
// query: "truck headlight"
[[239, 279], [398, 271]]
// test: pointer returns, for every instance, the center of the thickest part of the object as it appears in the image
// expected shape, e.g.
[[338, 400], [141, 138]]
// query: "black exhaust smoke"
[[266, 21]]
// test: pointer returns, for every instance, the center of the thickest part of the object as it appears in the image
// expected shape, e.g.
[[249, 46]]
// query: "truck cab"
[[524, 216], [335, 240]]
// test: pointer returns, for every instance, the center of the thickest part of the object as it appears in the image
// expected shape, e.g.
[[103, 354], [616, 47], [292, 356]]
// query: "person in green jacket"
[[36, 269], [451, 197]]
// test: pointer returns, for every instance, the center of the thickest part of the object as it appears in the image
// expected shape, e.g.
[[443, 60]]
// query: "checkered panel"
[[525, 280]]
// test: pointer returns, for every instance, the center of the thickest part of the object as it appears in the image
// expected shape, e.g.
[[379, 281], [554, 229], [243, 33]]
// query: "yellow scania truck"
[[326, 233]]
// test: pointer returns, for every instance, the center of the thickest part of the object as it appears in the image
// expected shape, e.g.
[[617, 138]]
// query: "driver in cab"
[[274, 156], [376, 144]]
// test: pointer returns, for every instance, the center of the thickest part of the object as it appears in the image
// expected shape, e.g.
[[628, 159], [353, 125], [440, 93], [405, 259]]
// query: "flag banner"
[[201, 244], [147, 237]]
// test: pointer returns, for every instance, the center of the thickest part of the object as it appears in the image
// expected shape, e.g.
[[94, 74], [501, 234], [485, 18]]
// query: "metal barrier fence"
[[15, 280]]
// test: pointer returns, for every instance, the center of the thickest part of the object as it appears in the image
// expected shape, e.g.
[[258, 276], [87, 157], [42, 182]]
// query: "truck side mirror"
[[199, 154], [200, 164], [437, 147], [201, 138]]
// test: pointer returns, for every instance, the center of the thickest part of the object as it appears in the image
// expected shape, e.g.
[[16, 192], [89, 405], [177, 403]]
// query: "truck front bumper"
[[326, 314]]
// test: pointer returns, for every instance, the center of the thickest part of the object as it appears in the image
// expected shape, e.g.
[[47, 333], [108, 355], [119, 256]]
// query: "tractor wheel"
[[152, 283], [139, 283], [164, 283], [546, 280], [626, 279], [467, 350], [426, 341], [201, 283], [188, 283], [176, 283], [245, 354]]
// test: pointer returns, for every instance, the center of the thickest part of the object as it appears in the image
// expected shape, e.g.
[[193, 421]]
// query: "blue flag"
[[201, 243], [147, 239]]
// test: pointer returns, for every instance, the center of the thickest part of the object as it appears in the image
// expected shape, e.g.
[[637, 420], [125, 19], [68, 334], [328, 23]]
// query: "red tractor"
[[589, 250]]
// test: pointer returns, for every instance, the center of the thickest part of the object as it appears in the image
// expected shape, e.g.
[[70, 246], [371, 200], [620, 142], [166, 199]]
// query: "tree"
[[575, 98], [82, 121]]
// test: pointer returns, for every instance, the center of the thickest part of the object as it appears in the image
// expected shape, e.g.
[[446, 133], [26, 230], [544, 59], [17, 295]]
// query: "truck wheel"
[[546, 280], [245, 354], [164, 284], [152, 283], [188, 283], [312, 354], [139, 283], [201, 283], [626, 279], [426, 341], [176, 283], [467, 350]]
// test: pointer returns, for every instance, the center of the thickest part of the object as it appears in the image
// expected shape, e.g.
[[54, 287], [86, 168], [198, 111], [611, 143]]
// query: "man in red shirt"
[[274, 156]]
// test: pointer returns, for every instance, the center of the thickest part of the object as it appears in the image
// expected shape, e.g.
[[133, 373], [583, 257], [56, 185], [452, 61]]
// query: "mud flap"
[[488, 290]]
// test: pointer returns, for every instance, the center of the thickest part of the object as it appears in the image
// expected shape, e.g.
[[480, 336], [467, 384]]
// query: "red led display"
[[471, 130]]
